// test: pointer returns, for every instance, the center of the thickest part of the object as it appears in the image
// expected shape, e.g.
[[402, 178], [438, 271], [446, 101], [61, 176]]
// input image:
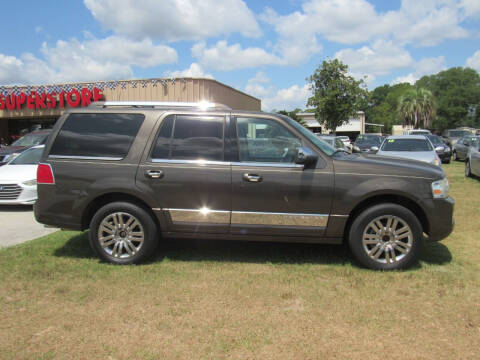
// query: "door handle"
[[154, 174], [252, 178]]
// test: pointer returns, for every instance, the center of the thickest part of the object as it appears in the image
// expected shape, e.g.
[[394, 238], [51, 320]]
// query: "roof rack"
[[204, 105]]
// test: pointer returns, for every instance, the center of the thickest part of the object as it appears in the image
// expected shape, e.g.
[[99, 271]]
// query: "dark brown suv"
[[133, 173]]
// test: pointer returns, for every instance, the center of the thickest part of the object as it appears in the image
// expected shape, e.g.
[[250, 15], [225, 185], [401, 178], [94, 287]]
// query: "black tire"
[[361, 224], [455, 158], [447, 160], [468, 170], [145, 225]]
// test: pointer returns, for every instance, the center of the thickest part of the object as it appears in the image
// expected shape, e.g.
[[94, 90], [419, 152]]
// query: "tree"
[[416, 107], [293, 116], [383, 105], [457, 94], [336, 95]]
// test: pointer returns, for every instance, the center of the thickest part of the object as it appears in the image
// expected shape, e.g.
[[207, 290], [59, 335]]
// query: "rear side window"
[[97, 135], [187, 137]]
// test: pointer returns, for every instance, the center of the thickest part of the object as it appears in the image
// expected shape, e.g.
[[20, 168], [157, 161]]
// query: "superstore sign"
[[44, 100]]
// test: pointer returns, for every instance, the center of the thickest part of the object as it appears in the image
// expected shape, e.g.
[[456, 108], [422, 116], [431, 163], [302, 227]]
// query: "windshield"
[[30, 140], [327, 140], [458, 133], [326, 148], [435, 140], [28, 157], [368, 139], [406, 145]]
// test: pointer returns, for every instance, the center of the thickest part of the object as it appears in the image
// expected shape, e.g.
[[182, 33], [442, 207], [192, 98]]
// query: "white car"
[[346, 140], [415, 147], [18, 178]]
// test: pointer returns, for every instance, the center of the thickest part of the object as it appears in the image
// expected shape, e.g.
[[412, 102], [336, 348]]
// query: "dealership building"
[[23, 108]]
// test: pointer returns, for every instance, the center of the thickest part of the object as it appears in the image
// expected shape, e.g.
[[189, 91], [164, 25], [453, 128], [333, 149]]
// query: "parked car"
[[472, 165], [346, 140], [335, 142], [415, 147], [443, 150], [462, 147], [18, 184], [364, 143], [7, 153], [453, 135], [417, 132], [134, 172]]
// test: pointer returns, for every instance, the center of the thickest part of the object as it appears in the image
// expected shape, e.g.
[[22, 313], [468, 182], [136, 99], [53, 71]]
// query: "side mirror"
[[374, 148], [306, 156], [439, 149]]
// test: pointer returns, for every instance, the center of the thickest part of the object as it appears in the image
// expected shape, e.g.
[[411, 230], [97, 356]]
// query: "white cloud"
[[92, 59], [288, 99], [410, 78], [194, 70], [474, 61], [279, 99], [378, 59], [426, 66], [175, 19], [258, 85], [429, 22], [471, 8], [222, 56], [421, 23]]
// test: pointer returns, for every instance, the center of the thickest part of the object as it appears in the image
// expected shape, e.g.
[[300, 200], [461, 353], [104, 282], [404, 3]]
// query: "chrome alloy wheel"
[[387, 239], [121, 235]]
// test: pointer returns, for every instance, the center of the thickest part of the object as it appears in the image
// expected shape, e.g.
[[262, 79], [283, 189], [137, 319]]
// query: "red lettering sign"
[[34, 100]]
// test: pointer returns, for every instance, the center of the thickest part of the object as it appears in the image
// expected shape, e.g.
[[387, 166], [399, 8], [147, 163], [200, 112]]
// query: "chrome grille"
[[9, 191]]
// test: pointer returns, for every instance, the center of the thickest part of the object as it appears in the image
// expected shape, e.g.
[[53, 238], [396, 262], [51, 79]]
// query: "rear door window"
[[190, 137], [99, 135]]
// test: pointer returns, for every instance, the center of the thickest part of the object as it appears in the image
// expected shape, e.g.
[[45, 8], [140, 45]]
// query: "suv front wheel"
[[386, 237], [123, 233]]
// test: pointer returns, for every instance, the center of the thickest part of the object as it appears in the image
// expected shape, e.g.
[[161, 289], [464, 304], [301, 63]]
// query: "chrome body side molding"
[[204, 216], [278, 219]]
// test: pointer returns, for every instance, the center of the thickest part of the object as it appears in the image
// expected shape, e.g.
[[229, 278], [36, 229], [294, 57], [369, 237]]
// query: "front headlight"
[[440, 188], [356, 148], [436, 161], [30, 182]]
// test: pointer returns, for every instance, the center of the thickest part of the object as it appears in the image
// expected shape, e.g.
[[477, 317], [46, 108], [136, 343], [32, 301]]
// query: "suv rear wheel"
[[386, 237], [123, 233]]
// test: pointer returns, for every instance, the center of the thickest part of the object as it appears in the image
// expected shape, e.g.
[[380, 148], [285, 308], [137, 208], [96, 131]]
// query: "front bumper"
[[20, 195], [440, 218]]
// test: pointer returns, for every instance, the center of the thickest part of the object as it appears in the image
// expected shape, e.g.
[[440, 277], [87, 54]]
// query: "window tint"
[[193, 138], [264, 140], [97, 135], [162, 145], [197, 137], [406, 145]]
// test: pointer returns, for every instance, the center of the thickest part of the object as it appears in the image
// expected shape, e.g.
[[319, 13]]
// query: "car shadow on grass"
[[249, 252]]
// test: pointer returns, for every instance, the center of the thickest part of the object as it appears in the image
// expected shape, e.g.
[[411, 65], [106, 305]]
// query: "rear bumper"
[[440, 218]]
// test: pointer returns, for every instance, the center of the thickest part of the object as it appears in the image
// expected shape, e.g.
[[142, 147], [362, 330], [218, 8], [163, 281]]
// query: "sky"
[[267, 49]]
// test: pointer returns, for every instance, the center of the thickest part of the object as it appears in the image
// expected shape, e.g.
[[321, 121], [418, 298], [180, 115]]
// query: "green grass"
[[215, 300]]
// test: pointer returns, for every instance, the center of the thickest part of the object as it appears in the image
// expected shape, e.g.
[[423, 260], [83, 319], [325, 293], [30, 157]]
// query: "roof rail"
[[204, 105]]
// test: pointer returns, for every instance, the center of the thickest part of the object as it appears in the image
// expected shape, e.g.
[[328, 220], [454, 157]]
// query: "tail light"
[[45, 174]]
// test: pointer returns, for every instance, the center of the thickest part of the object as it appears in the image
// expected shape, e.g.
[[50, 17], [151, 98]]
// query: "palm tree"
[[417, 107]]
